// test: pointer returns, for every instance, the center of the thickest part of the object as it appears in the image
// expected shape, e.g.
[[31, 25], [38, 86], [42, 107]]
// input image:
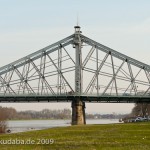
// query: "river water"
[[28, 125]]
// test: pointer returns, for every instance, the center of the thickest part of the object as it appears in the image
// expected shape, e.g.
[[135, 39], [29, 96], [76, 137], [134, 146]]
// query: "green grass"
[[132, 136]]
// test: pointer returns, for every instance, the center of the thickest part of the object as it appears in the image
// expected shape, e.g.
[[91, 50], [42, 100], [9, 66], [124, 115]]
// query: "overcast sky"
[[28, 25]]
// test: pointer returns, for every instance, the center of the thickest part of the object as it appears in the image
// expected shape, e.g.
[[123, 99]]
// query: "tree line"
[[141, 109], [12, 114]]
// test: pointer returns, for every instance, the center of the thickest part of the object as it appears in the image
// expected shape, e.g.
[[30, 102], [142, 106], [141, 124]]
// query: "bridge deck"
[[69, 98]]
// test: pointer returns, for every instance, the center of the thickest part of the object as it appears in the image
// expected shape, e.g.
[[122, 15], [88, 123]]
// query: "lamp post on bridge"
[[78, 106]]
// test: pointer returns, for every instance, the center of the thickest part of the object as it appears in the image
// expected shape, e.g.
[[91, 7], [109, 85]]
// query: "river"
[[28, 125]]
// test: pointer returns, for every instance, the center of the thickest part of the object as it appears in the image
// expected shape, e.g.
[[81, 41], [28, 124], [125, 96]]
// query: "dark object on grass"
[[8, 131]]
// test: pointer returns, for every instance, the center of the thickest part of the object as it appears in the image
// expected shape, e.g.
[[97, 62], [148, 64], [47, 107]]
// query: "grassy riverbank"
[[133, 136]]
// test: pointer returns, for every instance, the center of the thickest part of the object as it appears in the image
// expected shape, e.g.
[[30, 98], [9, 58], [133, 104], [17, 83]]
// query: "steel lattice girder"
[[115, 53], [6, 72]]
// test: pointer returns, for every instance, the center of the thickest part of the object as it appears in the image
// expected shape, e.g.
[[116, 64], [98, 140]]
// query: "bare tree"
[[3, 117], [141, 109]]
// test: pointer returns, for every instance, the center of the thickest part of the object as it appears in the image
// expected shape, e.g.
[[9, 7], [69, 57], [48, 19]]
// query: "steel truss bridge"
[[76, 67]]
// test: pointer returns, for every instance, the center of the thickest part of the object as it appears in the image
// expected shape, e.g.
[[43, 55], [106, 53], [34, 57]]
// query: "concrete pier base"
[[78, 112]]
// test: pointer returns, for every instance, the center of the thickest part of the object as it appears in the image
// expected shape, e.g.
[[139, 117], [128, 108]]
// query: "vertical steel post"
[[78, 107], [59, 78], [97, 71], [78, 65]]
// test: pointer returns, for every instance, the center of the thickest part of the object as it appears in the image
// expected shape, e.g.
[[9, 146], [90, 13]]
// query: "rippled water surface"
[[27, 125]]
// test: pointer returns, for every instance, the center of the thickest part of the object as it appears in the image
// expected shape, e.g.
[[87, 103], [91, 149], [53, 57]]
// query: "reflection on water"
[[102, 121], [28, 125]]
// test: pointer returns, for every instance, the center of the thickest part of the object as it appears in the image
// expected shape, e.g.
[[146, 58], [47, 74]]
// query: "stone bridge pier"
[[78, 112]]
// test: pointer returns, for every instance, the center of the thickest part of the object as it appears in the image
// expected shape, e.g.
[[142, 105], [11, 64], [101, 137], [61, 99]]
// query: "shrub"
[[3, 117]]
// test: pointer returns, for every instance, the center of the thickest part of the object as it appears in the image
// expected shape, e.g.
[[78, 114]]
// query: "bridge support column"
[[78, 112]]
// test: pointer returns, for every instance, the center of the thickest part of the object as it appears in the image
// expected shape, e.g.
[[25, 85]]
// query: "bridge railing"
[[74, 94]]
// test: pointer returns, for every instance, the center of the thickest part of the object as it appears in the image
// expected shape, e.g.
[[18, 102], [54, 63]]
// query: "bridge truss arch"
[[50, 74]]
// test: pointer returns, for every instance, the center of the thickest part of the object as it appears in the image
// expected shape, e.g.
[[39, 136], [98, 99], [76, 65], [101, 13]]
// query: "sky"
[[29, 25]]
